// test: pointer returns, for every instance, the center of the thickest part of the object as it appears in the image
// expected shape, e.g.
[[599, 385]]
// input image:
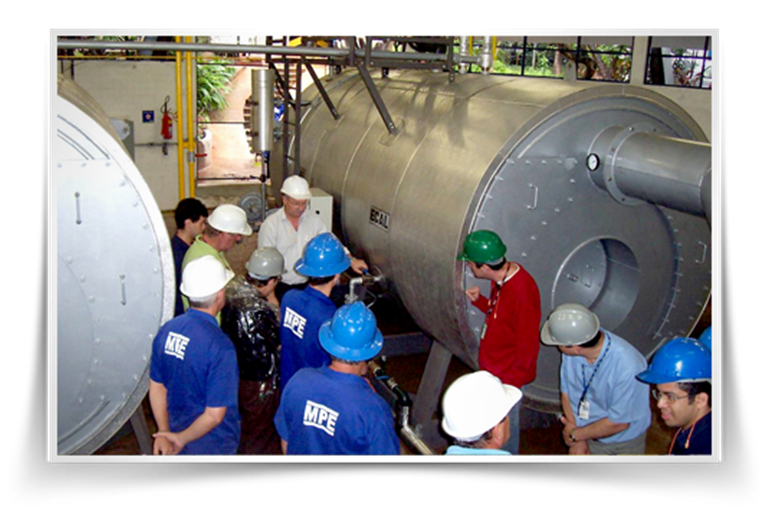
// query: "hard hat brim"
[[331, 346], [305, 270]]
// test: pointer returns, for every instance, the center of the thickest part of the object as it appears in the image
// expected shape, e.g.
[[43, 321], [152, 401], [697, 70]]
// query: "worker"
[[251, 320], [190, 217], [304, 311], [604, 409], [334, 409], [476, 413], [509, 342], [225, 227], [290, 228], [193, 389], [681, 371], [706, 337]]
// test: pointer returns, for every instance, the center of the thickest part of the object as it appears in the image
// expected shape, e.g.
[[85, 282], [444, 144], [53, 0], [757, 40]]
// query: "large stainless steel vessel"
[[600, 191]]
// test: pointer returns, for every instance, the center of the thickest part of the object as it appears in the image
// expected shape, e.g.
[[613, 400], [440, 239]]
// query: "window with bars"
[[680, 61], [597, 58]]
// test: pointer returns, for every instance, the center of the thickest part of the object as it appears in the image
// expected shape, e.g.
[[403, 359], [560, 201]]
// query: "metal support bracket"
[[377, 99], [322, 91]]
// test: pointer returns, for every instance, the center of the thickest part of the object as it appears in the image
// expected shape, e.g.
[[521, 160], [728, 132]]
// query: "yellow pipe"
[[190, 117], [180, 129]]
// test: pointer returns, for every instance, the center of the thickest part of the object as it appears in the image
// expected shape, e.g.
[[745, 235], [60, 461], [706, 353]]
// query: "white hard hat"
[[296, 187], [231, 219], [569, 325], [203, 277], [475, 403]]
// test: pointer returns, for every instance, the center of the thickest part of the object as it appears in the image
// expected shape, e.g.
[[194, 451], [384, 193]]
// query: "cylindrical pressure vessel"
[[507, 154], [262, 116], [114, 275]]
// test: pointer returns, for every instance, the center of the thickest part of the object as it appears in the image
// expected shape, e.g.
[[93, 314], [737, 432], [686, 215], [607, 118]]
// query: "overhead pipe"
[[266, 50]]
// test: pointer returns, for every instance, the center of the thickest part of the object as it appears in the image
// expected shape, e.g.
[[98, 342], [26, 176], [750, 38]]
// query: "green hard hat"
[[483, 246]]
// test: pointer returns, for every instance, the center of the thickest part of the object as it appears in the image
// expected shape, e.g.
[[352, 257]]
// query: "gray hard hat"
[[264, 263], [569, 325]]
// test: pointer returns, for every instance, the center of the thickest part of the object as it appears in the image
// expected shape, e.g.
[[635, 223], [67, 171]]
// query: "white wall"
[[125, 89]]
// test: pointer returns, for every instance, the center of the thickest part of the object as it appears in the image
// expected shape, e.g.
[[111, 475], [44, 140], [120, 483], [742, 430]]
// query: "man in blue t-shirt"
[[304, 311], [604, 409], [194, 372], [333, 409], [681, 371]]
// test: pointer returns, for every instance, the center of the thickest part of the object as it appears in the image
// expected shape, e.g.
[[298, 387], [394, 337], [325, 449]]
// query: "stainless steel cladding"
[[115, 275], [509, 154], [262, 117]]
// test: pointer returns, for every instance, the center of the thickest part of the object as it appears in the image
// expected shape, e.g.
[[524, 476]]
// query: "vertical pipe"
[[286, 122], [299, 71], [180, 142], [190, 118]]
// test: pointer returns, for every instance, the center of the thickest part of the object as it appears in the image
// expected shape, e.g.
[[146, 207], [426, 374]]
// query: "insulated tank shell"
[[506, 154], [114, 275]]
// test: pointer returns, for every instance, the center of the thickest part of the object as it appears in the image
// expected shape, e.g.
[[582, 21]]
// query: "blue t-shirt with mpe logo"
[[326, 412], [302, 314], [197, 364]]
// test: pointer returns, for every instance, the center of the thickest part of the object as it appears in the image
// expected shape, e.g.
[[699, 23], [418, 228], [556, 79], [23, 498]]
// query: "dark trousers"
[[258, 403]]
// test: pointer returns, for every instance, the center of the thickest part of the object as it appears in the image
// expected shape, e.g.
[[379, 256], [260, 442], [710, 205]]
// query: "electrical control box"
[[321, 204]]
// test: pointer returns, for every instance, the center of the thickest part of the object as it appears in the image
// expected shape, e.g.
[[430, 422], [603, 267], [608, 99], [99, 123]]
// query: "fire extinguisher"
[[166, 120]]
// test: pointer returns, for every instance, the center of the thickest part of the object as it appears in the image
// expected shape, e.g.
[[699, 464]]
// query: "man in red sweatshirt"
[[509, 339]]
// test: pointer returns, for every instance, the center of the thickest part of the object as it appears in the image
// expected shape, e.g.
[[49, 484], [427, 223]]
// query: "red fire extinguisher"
[[166, 120]]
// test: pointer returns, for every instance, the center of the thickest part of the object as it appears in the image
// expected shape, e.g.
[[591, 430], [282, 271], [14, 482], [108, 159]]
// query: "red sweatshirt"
[[509, 348]]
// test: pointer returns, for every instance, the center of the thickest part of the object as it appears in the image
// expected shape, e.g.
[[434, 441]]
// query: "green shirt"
[[198, 249]]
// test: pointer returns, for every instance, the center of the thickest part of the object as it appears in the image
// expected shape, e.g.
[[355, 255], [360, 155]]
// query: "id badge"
[[584, 410]]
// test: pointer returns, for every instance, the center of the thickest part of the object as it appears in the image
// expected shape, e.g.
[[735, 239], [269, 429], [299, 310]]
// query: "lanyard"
[[688, 439], [493, 305], [583, 372]]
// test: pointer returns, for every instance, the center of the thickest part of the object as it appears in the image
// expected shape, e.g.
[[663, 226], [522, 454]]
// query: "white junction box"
[[321, 204]]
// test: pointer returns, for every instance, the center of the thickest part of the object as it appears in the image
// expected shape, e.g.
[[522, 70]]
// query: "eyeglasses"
[[671, 397]]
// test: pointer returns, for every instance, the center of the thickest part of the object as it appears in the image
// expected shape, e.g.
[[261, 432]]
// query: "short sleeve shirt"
[[614, 392], [197, 364], [302, 313], [326, 412], [276, 231], [198, 249]]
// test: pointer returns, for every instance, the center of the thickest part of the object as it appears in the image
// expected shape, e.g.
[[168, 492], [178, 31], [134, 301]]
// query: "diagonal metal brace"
[[322, 91], [375, 94]]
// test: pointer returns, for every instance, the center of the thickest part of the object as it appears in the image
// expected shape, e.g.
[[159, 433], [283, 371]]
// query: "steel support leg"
[[429, 394], [140, 427]]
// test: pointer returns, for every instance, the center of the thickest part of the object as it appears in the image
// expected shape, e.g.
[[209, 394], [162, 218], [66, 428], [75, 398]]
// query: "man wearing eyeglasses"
[[604, 409], [290, 228], [681, 371]]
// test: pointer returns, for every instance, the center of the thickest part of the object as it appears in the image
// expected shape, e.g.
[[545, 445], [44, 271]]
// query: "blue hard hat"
[[706, 337], [351, 334], [679, 360], [324, 256]]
